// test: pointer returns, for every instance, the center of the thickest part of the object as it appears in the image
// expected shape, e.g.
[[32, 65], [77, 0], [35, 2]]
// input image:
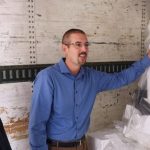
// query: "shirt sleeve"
[[109, 81], [40, 111]]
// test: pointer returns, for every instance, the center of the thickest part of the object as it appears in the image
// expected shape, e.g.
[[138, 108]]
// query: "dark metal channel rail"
[[23, 73]]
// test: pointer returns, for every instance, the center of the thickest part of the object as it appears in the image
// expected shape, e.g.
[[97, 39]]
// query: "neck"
[[74, 69]]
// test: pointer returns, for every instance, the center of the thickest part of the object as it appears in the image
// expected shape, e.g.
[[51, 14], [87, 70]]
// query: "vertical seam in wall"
[[31, 31], [143, 26]]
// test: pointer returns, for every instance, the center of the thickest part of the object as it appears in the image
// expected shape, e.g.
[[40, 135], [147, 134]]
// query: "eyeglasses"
[[78, 45]]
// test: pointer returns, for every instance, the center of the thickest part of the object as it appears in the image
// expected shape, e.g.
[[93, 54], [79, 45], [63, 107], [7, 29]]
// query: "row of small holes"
[[32, 42], [143, 26]]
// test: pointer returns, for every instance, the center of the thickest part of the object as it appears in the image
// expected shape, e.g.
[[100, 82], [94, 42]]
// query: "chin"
[[83, 62]]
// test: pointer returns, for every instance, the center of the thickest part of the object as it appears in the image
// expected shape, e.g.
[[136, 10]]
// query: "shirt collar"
[[64, 68]]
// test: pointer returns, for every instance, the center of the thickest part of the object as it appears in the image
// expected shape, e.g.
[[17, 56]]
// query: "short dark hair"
[[69, 32]]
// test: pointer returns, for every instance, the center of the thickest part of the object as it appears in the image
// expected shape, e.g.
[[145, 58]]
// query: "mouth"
[[83, 54]]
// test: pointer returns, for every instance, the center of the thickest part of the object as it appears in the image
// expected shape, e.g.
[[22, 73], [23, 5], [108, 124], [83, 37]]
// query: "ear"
[[64, 48]]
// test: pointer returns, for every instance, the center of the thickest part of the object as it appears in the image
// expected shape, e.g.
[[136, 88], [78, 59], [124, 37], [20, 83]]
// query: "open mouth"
[[83, 54]]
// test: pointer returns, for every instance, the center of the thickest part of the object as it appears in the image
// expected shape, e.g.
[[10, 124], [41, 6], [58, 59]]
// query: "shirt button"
[[76, 92]]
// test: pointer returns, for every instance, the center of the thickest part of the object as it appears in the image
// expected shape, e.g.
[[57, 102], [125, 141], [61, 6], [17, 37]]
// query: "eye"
[[87, 44], [78, 44]]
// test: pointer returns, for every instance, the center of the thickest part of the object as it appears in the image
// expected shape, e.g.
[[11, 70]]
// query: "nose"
[[84, 47]]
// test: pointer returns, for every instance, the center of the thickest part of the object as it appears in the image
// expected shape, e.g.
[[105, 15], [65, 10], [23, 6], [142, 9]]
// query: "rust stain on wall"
[[18, 129], [2, 110]]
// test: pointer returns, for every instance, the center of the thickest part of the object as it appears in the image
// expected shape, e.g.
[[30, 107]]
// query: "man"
[[64, 95]]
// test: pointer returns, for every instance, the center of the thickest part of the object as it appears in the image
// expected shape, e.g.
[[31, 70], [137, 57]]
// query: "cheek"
[[73, 53], [66, 52]]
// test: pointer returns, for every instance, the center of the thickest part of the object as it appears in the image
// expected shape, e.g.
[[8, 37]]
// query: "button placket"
[[76, 107]]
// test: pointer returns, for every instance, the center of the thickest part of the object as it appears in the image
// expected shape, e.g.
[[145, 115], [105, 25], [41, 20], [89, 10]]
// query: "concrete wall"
[[30, 33]]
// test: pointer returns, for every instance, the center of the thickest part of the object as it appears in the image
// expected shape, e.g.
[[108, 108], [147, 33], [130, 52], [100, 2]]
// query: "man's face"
[[76, 50]]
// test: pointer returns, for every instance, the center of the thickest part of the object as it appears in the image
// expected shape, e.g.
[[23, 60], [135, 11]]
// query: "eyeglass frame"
[[78, 44]]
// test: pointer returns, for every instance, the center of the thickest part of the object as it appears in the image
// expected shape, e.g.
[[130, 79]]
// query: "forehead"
[[78, 37]]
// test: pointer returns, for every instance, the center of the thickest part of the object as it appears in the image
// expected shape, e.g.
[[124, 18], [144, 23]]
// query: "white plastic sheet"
[[144, 83], [138, 127], [133, 133], [111, 139]]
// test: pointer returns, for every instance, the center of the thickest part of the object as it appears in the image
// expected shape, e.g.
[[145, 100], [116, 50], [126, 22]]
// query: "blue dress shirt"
[[62, 103]]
